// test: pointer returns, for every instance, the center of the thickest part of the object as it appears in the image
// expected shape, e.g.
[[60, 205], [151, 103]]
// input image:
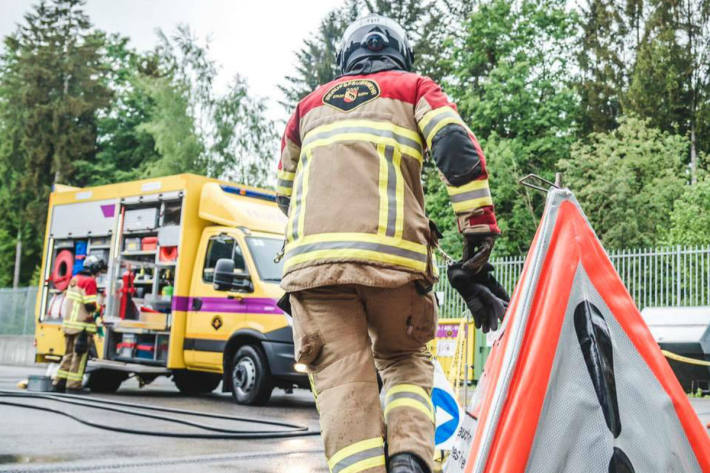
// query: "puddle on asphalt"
[[29, 459]]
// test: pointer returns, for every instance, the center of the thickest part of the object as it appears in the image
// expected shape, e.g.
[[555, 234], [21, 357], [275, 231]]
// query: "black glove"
[[484, 296], [476, 251]]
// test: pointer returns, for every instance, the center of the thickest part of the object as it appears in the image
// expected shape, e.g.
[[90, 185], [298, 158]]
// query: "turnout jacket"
[[349, 180], [82, 292]]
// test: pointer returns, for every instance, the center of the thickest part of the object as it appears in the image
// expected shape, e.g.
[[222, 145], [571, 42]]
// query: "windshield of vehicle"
[[263, 251]]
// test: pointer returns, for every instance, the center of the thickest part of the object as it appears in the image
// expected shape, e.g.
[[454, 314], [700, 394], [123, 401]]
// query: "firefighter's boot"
[[406, 463], [58, 386]]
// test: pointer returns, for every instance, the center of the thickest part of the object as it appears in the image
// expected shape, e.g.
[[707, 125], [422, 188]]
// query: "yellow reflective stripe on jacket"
[[357, 246], [89, 299], [391, 189], [74, 311], [435, 120], [75, 296], [410, 396], [359, 456], [470, 196], [284, 184], [89, 327], [295, 206], [385, 133]]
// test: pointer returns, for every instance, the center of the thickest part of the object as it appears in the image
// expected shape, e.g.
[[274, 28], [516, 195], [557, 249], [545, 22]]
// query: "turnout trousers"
[[71, 369], [345, 335]]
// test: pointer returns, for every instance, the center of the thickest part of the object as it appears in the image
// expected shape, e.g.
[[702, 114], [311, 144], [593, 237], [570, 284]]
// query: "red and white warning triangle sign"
[[575, 382]]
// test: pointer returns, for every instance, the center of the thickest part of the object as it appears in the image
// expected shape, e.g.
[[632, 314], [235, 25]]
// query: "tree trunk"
[[693, 156], [18, 261]]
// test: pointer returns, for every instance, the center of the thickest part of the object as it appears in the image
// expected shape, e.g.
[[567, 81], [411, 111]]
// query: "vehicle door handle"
[[196, 303]]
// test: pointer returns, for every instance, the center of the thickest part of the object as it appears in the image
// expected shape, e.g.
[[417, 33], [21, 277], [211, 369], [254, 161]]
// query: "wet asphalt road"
[[35, 441]]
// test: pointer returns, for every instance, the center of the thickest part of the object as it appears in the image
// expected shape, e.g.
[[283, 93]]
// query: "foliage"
[[52, 87], [690, 218], [614, 93], [627, 182], [603, 67], [80, 107], [511, 85]]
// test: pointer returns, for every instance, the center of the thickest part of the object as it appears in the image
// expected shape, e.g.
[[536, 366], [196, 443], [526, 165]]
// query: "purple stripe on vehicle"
[[108, 210], [447, 330], [248, 305]]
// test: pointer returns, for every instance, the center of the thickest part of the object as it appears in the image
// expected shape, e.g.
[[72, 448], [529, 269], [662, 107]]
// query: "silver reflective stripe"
[[434, 121], [391, 192], [416, 397], [477, 194], [357, 457], [357, 245], [285, 183], [403, 140], [298, 198]]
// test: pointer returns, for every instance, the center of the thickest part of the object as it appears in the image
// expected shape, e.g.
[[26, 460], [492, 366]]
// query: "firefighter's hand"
[[476, 251], [484, 296]]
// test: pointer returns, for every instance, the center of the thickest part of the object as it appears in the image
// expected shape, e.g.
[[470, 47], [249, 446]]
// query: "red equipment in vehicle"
[[127, 291], [61, 275]]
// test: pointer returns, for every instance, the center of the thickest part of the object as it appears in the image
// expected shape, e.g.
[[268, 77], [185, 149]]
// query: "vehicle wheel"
[[251, 379], [105, 381], [195, 382]]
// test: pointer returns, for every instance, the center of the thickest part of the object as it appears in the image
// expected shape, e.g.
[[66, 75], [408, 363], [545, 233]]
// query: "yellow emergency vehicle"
[[168, 308]]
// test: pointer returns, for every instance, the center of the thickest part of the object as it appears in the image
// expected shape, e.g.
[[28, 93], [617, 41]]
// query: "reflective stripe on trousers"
[[409, 396], [359, 456]]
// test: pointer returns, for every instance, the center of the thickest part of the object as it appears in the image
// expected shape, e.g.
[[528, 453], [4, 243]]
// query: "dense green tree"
[[671, 79], [690, 218], [124, 149], [602, 64], [512, 84], [52, 87], [197, 130], [245, 143], [627, 182]]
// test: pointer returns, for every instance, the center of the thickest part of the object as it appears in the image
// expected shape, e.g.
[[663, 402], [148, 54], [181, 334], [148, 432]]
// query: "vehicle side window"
[[222, 247]]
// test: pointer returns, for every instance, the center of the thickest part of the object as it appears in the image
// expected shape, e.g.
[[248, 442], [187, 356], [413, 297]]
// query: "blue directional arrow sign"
[[447, 415]]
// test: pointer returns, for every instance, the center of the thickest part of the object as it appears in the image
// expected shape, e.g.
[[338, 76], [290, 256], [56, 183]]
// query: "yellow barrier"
[[684, 359], [454, 350]]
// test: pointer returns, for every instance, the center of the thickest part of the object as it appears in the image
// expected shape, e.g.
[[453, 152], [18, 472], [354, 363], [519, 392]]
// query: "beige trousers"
[[71, 369], [343, 334]]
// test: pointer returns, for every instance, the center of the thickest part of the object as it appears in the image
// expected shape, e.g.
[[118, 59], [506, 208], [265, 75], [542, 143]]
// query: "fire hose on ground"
[[288, 430]]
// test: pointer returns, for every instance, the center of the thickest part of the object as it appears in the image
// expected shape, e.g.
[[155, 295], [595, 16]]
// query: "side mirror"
[[226, 280]]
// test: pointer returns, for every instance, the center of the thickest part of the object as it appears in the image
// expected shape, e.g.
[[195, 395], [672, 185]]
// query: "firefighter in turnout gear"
[[80, 304], [358, 264]]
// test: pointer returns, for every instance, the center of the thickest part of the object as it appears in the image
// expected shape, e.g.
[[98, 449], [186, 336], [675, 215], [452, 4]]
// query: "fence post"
[[678, 282]]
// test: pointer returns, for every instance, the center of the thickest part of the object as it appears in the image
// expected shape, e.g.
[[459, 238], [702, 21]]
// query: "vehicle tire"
[[195, 382], [251, 379], [105, 381]]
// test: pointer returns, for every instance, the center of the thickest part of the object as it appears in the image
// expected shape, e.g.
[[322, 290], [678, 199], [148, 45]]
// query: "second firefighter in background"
[[359, 261]]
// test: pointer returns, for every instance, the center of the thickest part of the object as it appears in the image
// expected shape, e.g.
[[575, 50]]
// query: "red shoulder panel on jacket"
[[398, 85]]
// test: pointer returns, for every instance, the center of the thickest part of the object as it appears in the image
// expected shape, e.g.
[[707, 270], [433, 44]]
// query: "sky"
[[255, 38]]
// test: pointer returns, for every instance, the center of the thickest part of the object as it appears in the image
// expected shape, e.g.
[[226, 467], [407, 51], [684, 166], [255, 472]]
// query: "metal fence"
[[675, 276], [17, 311]]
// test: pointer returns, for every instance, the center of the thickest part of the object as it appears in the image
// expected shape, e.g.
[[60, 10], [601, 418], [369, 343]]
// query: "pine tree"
[[671, 79], [603, 69], [51, 89]]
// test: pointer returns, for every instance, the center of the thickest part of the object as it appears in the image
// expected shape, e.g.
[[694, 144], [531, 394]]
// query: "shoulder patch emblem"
[[351, 94]]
